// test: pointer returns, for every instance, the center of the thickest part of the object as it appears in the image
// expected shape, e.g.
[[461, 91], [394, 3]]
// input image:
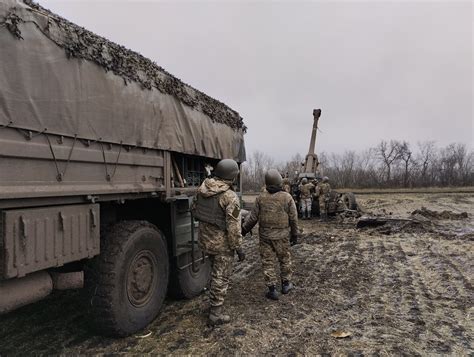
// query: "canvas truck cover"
[[58, 77]]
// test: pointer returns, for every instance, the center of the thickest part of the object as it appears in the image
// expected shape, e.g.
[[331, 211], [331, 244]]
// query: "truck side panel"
[[46, 165], [41, 238]]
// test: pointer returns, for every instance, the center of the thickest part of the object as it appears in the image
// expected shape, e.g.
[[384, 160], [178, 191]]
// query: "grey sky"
[[379, 70]]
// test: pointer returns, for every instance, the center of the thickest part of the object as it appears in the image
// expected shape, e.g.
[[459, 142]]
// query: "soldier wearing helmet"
[[305, 198], [275, 212], [217, 207], [322, 191]]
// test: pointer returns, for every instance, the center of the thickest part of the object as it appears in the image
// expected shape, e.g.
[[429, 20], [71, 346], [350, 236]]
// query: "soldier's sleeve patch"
[[235, 213]]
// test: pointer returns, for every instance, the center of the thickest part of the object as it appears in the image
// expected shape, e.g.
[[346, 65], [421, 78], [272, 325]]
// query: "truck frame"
[[101, 152]]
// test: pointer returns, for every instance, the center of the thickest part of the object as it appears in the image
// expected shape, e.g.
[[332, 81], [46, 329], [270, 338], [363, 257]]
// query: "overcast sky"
[[379, 70]]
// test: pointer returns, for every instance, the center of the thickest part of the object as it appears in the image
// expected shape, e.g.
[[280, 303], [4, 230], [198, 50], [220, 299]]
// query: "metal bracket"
[[92, 198]]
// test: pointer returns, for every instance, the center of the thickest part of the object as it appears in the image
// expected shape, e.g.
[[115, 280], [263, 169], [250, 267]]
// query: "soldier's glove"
[[294, 239], [243, 232], [240, 254]]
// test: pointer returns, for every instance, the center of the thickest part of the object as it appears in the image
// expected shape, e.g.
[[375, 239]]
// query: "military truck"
[[101, 152], [337, 202]]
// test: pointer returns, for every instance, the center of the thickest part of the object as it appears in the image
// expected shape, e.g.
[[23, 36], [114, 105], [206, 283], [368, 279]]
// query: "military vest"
[[272, 211], [208, 209]]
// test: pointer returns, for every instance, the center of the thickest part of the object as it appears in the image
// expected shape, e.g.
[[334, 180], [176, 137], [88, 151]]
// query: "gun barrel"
[[312, 143]]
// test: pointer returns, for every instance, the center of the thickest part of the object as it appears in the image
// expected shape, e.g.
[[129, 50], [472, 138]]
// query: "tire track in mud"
[[392, 297], [447, 295], [369, 286]]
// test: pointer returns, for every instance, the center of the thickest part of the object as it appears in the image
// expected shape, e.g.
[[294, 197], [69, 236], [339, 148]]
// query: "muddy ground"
[[405, 290]]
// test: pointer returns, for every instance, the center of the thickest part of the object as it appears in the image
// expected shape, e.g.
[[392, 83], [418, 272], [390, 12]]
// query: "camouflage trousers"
[[272, 251], [322, 205], [305, 206], [221, 269]]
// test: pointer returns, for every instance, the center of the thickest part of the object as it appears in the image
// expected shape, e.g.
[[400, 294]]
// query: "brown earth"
[[403, 291]]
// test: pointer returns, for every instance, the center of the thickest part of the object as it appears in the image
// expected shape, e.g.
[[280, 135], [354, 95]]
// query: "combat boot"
[[272, 293], [286, 286], [217, 316]]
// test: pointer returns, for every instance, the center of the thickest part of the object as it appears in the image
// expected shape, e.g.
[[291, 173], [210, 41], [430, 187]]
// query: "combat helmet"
[[273, 178], [227, 169], [325, 179], [304, 181]]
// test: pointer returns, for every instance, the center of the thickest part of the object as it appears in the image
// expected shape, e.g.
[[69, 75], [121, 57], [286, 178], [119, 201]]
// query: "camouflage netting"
[[59, 78], [131, 66]]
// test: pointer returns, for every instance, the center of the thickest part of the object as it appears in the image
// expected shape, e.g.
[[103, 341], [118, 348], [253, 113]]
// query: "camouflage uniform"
[[277, 218], [219, 243], [322, 190], [305, 198]]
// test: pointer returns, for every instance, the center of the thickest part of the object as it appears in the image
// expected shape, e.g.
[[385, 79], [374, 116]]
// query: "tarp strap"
[[60, 175], [109, 177]]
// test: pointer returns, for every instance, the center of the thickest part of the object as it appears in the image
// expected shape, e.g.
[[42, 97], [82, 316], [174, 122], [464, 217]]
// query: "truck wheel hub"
[[141, 278]]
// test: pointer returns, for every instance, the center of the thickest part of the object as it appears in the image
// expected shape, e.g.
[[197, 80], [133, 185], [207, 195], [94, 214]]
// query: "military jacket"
[[323, 189], [305, 190], [276, 215]]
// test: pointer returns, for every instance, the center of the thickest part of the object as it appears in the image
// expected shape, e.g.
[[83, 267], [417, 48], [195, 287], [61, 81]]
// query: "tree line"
[[390, 164]]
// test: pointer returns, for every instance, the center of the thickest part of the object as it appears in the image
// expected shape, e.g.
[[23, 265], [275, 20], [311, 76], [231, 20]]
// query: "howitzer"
[[310, 166]]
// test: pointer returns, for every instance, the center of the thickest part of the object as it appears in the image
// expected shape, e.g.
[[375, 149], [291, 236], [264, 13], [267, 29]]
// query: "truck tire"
[[128, 281], [349, 200], [186, 283]]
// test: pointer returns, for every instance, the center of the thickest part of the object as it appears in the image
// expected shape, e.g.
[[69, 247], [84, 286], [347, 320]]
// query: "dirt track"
[[408, 292]]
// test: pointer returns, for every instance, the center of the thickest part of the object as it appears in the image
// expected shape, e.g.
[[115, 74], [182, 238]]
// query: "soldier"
[[217, 207], [322, 190], [305, 198], [275, 212]]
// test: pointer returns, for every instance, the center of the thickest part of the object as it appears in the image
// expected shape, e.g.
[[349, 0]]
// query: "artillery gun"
[[337, 202], [309, 168]]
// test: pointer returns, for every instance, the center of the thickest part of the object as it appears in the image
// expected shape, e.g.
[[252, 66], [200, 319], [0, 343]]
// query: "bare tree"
[[293, 166], [389, 153], [406, 157], [391, 164], [254, 170], [425, 158]]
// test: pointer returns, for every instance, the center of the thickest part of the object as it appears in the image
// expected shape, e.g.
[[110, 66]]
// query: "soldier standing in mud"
[[275, 212], [305, 198], [217, 207], [322, 191]]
